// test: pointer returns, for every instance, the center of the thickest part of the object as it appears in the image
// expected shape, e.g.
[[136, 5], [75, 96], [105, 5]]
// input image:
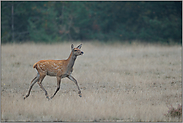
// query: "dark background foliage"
[[103, 21]]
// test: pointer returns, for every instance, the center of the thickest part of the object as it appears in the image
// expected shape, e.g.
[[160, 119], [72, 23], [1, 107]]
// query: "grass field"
[[119, 82]]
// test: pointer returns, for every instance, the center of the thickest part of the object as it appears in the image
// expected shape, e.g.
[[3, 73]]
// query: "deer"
[[58, 68]]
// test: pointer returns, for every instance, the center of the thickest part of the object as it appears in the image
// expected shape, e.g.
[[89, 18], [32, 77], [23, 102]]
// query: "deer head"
[[76, 51]]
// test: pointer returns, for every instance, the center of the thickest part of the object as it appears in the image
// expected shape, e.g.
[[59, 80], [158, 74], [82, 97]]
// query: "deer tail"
[[35, 65]]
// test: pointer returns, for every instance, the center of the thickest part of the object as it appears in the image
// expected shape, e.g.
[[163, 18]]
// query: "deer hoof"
[[25, 97], [80, 95], [48, 98]]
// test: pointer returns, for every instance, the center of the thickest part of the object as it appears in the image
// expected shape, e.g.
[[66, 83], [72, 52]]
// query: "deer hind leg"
[[58, 86], [41, 86], [75, 81], [33, 79], [32, 84]]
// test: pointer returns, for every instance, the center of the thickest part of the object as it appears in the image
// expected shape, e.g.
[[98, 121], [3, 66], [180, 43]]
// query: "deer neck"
[[71, 61]]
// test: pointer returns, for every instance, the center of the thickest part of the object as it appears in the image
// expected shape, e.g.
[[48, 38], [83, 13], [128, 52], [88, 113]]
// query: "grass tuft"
[[174, 112]]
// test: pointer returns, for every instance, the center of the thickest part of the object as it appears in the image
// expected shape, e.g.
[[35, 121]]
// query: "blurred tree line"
[[104, 21]]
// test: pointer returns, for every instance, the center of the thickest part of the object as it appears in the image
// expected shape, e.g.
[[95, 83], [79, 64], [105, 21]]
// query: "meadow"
[[119, 82]]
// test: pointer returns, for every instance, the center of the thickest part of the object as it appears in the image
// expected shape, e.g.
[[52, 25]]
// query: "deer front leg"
[[58, 86], [75, 81]]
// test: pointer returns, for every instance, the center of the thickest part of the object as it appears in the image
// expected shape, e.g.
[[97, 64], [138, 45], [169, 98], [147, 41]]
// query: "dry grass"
[[118, 83]]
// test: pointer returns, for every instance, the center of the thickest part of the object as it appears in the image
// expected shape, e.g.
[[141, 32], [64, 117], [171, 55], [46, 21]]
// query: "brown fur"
[[58, 68]]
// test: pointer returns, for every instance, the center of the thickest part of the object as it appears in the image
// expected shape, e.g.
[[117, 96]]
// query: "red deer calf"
[[58, 68]]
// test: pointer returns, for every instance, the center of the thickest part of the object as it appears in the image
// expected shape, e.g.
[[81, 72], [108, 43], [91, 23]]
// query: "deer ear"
[[79, 47], [72, 46]]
